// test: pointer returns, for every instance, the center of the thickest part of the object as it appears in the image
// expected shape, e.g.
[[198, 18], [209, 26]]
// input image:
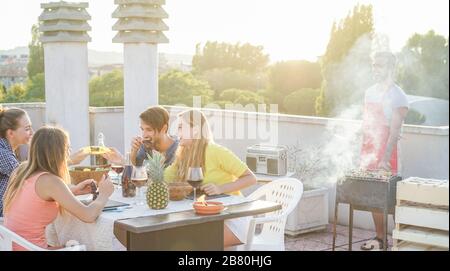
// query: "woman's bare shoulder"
[[49, 178]]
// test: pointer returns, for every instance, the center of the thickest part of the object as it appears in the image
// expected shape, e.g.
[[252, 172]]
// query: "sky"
[[287, 29]]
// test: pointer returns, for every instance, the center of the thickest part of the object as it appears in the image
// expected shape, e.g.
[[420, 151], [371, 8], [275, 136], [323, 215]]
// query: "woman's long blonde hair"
[[194, 154], [49, 151]]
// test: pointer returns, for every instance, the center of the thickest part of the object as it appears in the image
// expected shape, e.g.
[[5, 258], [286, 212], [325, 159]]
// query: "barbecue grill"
[[366, 191]]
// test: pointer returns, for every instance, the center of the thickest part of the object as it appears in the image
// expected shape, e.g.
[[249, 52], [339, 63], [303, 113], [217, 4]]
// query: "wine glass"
[[195, 179], [139, 178], [118, 169]]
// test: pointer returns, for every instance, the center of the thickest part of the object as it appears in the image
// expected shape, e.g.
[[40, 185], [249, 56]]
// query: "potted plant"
[[311, 213]]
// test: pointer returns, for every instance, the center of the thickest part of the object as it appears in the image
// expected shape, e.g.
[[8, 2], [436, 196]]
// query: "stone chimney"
[[140, 29], [64, 36]]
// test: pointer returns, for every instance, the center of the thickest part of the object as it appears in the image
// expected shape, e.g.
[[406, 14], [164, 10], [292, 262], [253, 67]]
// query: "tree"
[[107, 90], [214, 55], [241, 97], [36, 51], [289, 76], [16, 94], [2, 91], [177, 87], [301, 102], [226, 78], [346, 64], [423, 67], [36, 88]]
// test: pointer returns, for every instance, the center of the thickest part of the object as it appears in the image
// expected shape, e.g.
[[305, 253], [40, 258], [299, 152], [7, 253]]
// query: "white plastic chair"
[[287, 192], [8, 237]]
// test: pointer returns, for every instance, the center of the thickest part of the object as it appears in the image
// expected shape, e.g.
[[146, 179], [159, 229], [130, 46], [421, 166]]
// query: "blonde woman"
[[223, 172], [38, 189], [16, 132]]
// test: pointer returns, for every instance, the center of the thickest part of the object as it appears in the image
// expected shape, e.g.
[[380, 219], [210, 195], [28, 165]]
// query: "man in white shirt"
[[385, 108]]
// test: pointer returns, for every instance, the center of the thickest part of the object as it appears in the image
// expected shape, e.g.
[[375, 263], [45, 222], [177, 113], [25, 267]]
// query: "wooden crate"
[[410, 246], [424, 236], [426, 191], [422, 216]]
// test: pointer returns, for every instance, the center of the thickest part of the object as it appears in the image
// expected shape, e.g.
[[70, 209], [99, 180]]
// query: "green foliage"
[[15, 94], [2, 91], [107, 90], [302, 102], [288, 76], [414, 117], [241, 97], [424, 66], [226, 78], [36, 59], [214, 55], [155, 166], [177, 87], [36, 88], [320, 105], [347, 32], [346, 62]]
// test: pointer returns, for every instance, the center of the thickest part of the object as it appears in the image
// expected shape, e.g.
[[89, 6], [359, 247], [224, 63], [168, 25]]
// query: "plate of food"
[[208, 207]]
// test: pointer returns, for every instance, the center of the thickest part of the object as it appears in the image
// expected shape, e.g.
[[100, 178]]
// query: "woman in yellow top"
[[223, 171]]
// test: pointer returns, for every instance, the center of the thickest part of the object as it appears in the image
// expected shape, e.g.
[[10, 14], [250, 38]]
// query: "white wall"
[[36, 112], [424, 149], [109, 121]]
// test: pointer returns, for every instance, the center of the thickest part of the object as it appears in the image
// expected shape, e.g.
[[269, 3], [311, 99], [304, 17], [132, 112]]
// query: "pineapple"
[[157, 191]]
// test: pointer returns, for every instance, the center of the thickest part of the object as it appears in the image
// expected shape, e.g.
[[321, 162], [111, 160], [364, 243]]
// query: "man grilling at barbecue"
[[385, 108]]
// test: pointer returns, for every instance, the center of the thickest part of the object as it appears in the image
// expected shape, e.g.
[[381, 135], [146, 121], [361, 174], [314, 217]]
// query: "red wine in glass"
[[195, 183], [195, 179], [128, 187]]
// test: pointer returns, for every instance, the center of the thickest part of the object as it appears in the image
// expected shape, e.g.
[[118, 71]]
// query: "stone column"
[[140, 29], [64, 26]]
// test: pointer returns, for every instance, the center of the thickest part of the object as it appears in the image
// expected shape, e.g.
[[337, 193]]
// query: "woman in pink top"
[[39, 188]]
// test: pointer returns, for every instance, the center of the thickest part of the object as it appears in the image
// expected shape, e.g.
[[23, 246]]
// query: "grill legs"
[[334, 223], [385, 222], [350, 228]]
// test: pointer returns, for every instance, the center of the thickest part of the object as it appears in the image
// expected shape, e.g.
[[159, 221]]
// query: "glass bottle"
[[98, 150], [128, 188]]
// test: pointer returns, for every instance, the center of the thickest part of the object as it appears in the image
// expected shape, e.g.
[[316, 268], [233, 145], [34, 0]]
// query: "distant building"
[[11, 74], [13, 68], [13, 59]]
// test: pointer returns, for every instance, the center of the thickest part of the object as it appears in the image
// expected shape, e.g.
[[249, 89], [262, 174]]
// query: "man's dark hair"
[[156, 117]]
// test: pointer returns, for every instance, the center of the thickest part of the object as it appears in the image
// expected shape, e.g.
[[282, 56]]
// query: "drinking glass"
[[118, 169], [195, 179], [139, 178]]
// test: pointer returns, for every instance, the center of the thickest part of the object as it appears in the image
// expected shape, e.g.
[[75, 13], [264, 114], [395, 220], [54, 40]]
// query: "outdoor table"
[[135, 220], [184, 231]]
